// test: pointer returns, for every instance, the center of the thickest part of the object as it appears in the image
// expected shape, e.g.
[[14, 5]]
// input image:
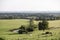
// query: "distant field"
[[6, 25]]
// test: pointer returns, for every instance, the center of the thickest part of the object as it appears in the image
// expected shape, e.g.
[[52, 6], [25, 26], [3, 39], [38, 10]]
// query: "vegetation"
[[43, 25], [6, 25], [37, 16], [1, 39], [21, 31], [30, 27], [22, 27]]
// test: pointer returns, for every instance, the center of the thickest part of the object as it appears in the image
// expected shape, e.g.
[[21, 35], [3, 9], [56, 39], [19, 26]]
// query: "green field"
[[6, 25]]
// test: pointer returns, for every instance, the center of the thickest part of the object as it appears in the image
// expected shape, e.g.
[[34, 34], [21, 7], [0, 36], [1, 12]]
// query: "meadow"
[[6, 25]]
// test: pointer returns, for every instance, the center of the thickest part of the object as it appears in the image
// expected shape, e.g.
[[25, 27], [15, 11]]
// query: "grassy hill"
[[6, 25]]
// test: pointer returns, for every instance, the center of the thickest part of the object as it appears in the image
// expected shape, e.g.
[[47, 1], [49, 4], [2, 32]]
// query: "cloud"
[[29, 5]]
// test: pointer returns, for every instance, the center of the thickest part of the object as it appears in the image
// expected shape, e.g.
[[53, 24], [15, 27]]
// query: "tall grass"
[[6, 25]]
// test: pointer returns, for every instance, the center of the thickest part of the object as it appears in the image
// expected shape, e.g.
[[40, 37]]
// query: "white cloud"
[[30, 5]]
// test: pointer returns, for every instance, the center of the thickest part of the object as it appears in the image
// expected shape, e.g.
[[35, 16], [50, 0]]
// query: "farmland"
[[6, 25]]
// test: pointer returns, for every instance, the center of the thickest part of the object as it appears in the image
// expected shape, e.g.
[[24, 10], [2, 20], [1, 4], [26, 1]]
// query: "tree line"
[[37, 16]]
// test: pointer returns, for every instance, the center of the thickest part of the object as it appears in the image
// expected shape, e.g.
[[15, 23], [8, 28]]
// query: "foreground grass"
[[6, 25]]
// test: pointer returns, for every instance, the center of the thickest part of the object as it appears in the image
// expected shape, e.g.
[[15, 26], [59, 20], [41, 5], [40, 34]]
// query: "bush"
[[30, 29], [1, 39], [43, 25], [22, 30], [22, 27]]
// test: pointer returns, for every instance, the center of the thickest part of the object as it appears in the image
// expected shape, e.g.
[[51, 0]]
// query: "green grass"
[[6, 25]]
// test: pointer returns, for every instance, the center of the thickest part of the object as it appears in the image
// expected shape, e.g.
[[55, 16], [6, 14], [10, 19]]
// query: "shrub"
[[30, 29], [22, 27], [43, 25], [1, 39], [22, 30]]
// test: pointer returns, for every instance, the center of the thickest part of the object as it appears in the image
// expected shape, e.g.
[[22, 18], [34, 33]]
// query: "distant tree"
[[10, 17], [57, 18]]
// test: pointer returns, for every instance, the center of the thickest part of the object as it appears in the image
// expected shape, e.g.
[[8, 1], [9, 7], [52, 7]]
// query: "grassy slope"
[[55, 23], [6, 25]]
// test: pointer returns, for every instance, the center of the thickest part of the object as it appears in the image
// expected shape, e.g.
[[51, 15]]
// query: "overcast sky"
[[29, 5]]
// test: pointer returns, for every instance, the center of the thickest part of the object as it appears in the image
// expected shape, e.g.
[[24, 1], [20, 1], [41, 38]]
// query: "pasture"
[[6, 25]]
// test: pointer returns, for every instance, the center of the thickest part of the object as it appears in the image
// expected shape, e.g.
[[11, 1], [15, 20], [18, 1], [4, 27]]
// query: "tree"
[[43, 25], [40, 26], [31, 22], [31, 25]]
